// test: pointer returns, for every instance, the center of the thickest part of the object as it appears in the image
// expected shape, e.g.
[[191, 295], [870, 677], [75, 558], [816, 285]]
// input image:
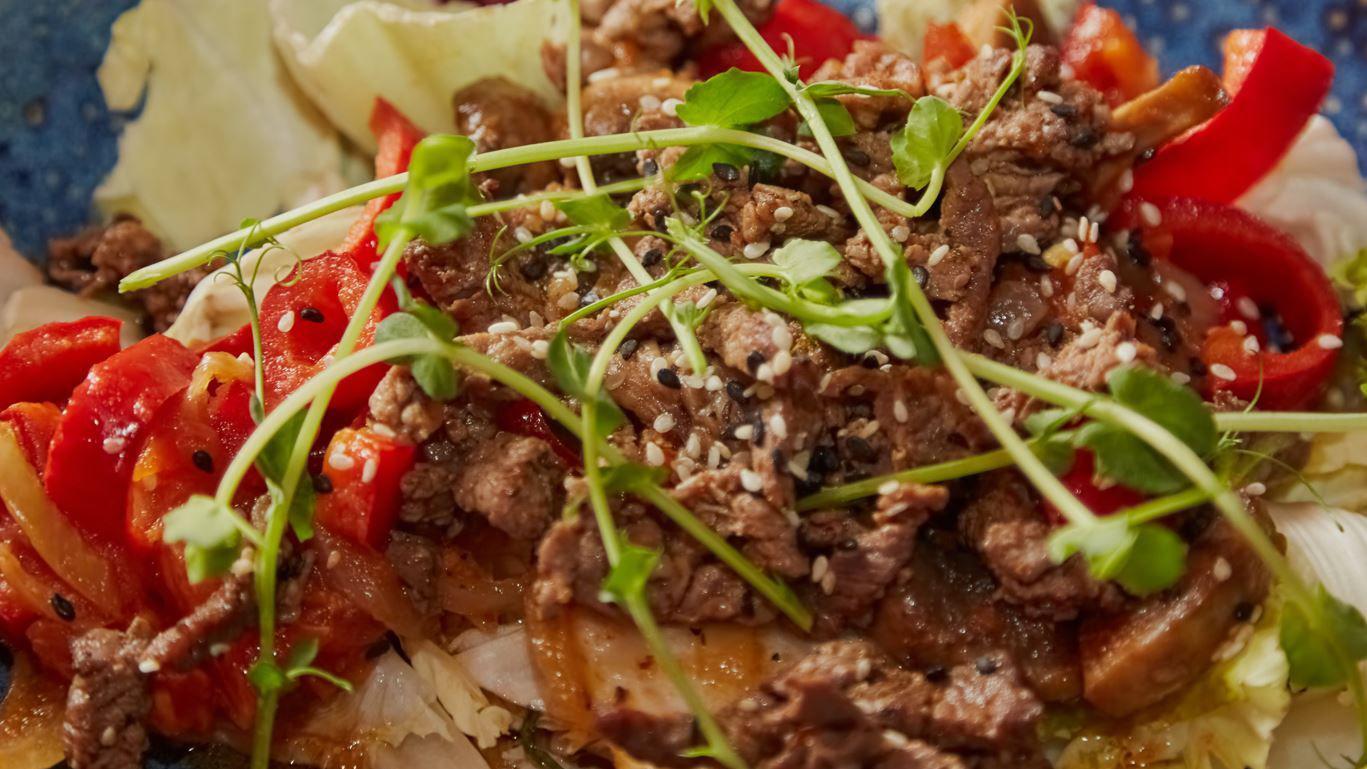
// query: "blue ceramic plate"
[[58, 140]]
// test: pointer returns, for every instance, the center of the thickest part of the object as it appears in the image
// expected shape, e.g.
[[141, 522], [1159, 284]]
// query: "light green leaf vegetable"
[[698, 162], [628, 578], [595, 211], [1142, 559], [733, 99], [211, 537], [921, 149], [570, 364], [804, 261]]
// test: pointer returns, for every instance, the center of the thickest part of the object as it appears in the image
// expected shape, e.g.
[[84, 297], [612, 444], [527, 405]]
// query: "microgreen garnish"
[[569, 364], [921, 150], [1143, 559], [438, 193], [212, 534], [267, 676], [731, 99], [1324, 639], [834, 114], [433, 373]]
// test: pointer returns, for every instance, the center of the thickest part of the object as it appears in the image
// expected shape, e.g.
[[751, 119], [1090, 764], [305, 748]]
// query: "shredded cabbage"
[[458, 694], [344, 54], [1336, 468], [222, 133]]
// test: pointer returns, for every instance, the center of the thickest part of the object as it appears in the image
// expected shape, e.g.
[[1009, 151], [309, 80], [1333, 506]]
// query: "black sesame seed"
[[203, 460], [726, 172], [857, 157], [824, 460], [860, 450], [1084, 137], [848, 544], [652, 257], [1198, 367], [754, 360], [806, 486], [1243, 612], [377, 647], [1146, 155], [758, 435], [1036, 263], [628, 348], [1053, 332], [63, 607], [722, 232], [776, 456], [868, 362], [311, 314], [1168, 333], [322, 484], [1046, 205], [534, 267], [775, 656], [1137, 253], [985, 665], [649, 167], [735, 390], [937, 674], [669, 379], [1064, 110], [921, 274]]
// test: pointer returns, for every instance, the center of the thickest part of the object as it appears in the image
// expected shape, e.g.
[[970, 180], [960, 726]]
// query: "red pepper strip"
[[1223, 245], [46, 363], [302, 320], [234, 343], [1081, 481], [947, 43], [818, 33], [526, 418], [364, 469], [1220, 160], [34, 425], [396, 136], [1105, 54], [98, 440]]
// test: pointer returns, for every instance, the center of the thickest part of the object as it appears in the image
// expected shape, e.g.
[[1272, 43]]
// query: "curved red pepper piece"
[[396, 136], [1229, 247], [1221, 159], [818, 32], [363, 469], [97, 442], [34, 425], [1104, 53], [946, 42], [46, 363], [527, 419], [1081, 481]]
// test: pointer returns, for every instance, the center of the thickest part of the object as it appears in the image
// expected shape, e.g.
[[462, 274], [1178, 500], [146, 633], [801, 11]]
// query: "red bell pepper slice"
[[1241, 48], [46, 363], [234, 343], [1104, 53], [1081, 481], [947, 43], [525, 418], [817, 32], [34, 425], [1221, 159], [97, 442], [302, 320], [363, 469], [396, 136], [1231, 248]]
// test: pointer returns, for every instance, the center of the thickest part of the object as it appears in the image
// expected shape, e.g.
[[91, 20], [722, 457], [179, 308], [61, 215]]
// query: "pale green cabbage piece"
[[345, 54], [1224, 721], [222, 133], [1337, 469], [469, 708]]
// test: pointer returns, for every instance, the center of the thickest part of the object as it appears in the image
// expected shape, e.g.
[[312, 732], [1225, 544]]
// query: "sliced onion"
[[31, 718], [1327, 546], [54, 537], [368, 581]]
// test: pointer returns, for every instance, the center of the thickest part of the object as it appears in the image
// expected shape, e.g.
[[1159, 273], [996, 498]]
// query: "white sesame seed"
[[1156, 311], [522, 234], [1049, 97], [751, 481], [547, 211], [1328, 341], [1072, 246], [888, 487], [1107, 280], [607, 73], [369, 469], [901, 233], [1221, 570], [894, 737], [340, 461], [286, 322], [714, 384], [1043, 361], [755, 250], [1084, 228], [1126, 181], [782, 337], [765, 372], [1046, 286], [1150, 214], [961, 396], [1239, 327], [670, 107], [827, 210], [148, 667], [899, 411], [1255, 489], [714, 456], [1027, 243], [783, 213], [540, 349], [782, 362], [113, 445], [1088, 339], [650, 102], [1181, 378], [744, 432], [566, 162], [707, 298], [992, 337], [938, 255], [1074, 264], [1094, 232], [1247, 308], [1175, 290], [655, 456], [693, 382], [828, 583], [1251, 345], [1015, 329], [820, 566], [334, 558], [1217, 293], [503, 327], [1125, 352], [778, 426], [657, 364], [1221, 371], [663, 423]]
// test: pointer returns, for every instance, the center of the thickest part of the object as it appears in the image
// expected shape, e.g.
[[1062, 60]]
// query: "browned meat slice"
[[514, 482], [400, 407], [1003, 524], [1137, 658], [94, 261], [222, 617], [631, 102], [766, 534], [942, 613], [872, 65], [772, 212], [496, 114], [108, 701], [1086, 359], [964, 276], [656, 32], [414, 559]]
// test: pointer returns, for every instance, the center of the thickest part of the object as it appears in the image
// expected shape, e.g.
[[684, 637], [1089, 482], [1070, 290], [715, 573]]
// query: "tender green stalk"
[[529, 201], [1289, 422], [1161, 507], [256, 234], [1048, 485], [839, 496]]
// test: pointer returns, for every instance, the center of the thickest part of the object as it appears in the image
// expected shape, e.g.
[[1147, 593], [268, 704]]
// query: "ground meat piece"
[[414, 559], [629, 103], [1136, 658], [94, 261], [1086, 359], [871, 65], [964, 276], [1003, 524], [1092, 296], [427, 494], [109, 700], [766, 534], [400, 407], [943, 612], [745, 339], [984, 706], [497, 114], [658, 31], [514, 482], [771, 211]]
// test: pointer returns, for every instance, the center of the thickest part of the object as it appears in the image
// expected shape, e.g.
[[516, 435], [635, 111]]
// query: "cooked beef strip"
[[399, 406], [497, 114], [108, 702]]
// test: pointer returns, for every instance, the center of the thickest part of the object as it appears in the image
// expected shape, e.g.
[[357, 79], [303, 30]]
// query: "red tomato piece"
[[1218, 161], [97, 442], [947, 43], [1229, 247], [818, 33], [395, 136], [302, 320], [1082, 482], [46, 363], [1105, 53], [34, 425], [364, 469]]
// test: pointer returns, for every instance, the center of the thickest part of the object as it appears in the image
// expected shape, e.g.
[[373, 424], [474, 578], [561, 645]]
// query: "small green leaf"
[[1177, 408], [595, 211], [267, 677], [855, 340], [1123, 457], [924, 143], [696, 163], [828, 88], [302, 654], [210, 534], [436, 226], [629, 477], [301, 511], [438, 191], [1323, 641], [733, 99], [433, 373], [803, 261], [436, 376], [837, 119], [1142, 559], [628, 578], [1057, 454], [1049, 421], [1157, 559], [569, 366], [274, 459], [441, 325]]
